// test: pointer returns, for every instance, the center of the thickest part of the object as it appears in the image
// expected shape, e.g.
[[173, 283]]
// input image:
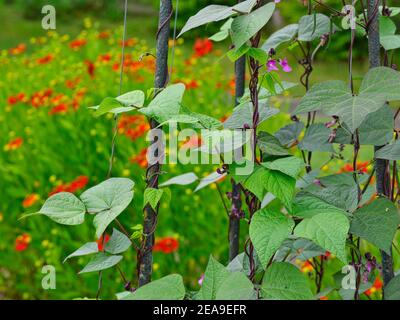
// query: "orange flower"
[[21, 48], [306, 267], [22, 242], [377, 285], [14, 144], [141, 159], [103, 35], [71, 84], [361, 166], [101, 243], [203, 47], [324, 298], [166, 245], [30, 200], [61, 108]]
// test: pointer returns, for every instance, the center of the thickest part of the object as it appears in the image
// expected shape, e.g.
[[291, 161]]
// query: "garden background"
[[50, 141]]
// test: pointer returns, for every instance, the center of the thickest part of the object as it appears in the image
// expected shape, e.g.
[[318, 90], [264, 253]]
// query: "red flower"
[[78, 184], [166, 245], [30, 200], [375, 287], [203, 47], [78, 43], [14, 144], [61, 108], [101, 243], [74, 186], [90, 68], [45, 59], [105, 57], [22, 242], [20, 97]]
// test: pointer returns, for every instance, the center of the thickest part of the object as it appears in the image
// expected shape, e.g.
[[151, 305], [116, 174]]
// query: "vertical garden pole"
[[145, 258], [234, 218], [382, 180]]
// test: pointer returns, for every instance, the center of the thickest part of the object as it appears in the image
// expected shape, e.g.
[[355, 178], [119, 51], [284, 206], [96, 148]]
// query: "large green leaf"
[[291, 166], [289, 134], [118, 243], [392, 289], [243, 115], [387, 30], [376, 129], [107, 200], [341, 196], [270, 145], [64, 208], [101, 261], [255, 183], [166, 104], [268, 230], [280, 185], [183, 180], [314, 26], [86, 249], [377, 223], [325, 96], [283, 281], [306, 206], [390, 42], [108, 105], [316, 138], [214, 275], [209, 14], [152, 197], [246, 26], [283, 35], [168, 288], [328, 230], [215, 13], [333, 98], [210, 179], [236, 286], [132, 99], [302, 249], [389, 152]]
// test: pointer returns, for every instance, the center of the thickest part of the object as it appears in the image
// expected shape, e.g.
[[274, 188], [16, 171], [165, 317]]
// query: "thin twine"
[[174, 39], [114, 138], [112, 156]]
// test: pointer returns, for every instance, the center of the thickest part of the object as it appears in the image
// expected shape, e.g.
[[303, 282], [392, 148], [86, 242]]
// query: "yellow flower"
[[1, 217], [45, 243], [126, 173], [156, 266]]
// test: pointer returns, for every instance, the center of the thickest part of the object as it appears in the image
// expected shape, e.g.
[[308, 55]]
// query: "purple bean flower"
[[200, 281], [271, 65], [285, 65]]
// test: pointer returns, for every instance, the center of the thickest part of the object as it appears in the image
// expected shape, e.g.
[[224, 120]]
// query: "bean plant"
[[292, 210]]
